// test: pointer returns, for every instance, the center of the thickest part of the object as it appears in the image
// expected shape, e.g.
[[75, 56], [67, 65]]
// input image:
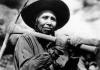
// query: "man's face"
[[46, 22]]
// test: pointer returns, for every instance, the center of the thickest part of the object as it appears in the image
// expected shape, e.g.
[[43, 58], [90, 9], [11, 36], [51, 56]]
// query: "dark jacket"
[[31, 53]]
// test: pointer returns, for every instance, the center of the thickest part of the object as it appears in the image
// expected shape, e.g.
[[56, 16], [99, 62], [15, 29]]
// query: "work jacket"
[[32, 53]]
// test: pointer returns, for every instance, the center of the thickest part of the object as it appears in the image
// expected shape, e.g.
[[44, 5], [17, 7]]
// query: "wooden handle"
[[44, 36], [4, 45]]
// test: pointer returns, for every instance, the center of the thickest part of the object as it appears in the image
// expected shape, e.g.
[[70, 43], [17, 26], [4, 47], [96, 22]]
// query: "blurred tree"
[[12, 3]]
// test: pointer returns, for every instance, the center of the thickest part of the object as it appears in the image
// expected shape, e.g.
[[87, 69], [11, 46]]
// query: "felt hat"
[[58, 7]]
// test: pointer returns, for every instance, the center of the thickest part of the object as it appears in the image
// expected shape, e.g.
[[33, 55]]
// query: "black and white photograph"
[[49, 34]]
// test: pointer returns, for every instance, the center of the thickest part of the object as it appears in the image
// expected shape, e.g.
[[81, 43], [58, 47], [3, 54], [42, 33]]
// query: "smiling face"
[[46, 22]]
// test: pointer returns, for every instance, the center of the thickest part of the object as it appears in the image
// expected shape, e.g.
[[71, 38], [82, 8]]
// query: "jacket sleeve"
[[27, 59]]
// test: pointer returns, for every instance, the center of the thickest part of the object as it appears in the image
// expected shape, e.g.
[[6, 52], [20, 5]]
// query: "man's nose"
[[49, 21]]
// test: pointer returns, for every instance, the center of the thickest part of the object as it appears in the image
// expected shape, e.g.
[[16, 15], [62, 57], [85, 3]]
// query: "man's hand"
[[42, 60], [64, 40], [61, 40]]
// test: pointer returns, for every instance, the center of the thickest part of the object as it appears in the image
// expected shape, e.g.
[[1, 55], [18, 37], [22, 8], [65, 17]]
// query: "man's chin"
[[48, 32]]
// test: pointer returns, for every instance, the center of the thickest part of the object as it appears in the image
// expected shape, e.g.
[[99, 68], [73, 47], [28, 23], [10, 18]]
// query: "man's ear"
[[36, 21]]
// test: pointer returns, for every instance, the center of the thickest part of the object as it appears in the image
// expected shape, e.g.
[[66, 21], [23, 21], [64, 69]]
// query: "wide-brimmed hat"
[[58, 7]]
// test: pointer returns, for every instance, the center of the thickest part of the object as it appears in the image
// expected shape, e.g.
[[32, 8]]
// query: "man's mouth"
[[47, 28]]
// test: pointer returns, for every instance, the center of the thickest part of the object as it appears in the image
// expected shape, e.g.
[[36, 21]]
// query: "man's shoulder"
[[13, 38], [27, 35]]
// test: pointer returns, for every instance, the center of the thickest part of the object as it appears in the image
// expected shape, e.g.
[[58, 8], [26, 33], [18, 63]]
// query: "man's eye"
[[52, 18], [45, 17]]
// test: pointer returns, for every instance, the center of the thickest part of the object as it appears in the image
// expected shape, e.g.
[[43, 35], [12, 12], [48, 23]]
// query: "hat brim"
[[59, 8]]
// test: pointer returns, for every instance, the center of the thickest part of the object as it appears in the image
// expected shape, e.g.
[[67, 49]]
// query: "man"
[[35, 53]]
